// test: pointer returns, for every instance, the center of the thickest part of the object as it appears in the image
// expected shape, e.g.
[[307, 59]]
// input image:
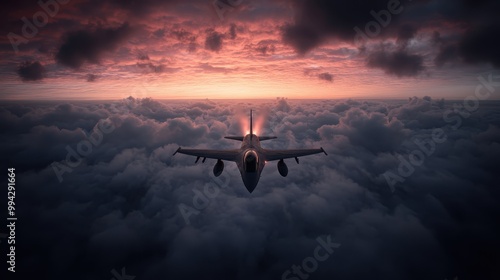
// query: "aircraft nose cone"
[[250, 188], [251, 182]]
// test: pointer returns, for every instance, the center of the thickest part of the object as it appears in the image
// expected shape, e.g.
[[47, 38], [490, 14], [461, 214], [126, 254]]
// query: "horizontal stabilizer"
[[262, 138], [237, 138]]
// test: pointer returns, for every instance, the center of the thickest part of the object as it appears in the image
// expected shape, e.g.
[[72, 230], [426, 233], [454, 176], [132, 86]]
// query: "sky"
[[109, 50], [126, 206], [96, 96]]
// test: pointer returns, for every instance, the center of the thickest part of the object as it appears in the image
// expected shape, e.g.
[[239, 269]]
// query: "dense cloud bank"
[[119, 205]]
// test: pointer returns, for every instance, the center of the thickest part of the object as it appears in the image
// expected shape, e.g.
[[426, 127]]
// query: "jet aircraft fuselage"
[[250, 157]]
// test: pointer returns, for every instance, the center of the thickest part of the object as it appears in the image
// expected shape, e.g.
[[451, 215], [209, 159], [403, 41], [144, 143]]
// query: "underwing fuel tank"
[[282, 168], [218, 168]]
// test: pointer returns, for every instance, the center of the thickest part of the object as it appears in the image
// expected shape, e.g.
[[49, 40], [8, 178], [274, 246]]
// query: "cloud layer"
[[119, 207]]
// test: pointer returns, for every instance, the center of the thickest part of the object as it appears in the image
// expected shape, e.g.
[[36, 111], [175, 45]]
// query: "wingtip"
[[323, 151], [178, 149]]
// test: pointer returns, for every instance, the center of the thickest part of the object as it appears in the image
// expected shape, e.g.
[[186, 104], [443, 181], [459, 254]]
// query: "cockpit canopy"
[[251, 161]]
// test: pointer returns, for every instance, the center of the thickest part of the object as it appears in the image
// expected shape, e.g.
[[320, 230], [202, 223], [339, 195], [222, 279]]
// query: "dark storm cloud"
[[119, 206], [447, 50], [476, 46], [326, 76], [142, 56], [89, 45], [301, 38], [92, 77], [482, 45], [214, 40], [187, 38], [141, 8], [318, 21], [265, 48], [232, 32], [183, 35], [446, 53], [317, 73], [160, 33], [398, 63], [405, 33], [31, 71]]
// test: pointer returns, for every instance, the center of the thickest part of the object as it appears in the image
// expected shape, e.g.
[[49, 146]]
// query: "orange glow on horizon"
[[221, 86]]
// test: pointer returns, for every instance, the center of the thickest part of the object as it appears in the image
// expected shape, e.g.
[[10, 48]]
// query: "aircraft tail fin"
[[251, 124]]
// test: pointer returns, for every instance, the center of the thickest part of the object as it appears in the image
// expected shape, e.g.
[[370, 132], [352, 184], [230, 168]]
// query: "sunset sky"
[[98, 97], [257, 49]]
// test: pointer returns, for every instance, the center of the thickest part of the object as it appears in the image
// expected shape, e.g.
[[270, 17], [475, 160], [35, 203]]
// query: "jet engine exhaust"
[[218, 168], [282, 168]]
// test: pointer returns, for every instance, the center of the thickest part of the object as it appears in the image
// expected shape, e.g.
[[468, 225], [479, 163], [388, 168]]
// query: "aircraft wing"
[[271, 155], [229, 155]]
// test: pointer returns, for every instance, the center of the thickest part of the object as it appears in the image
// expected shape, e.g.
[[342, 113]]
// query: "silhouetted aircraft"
[[250, 158]]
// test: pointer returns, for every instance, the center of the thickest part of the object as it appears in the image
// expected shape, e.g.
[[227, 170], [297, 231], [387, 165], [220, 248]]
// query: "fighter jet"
[[250, 157]]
